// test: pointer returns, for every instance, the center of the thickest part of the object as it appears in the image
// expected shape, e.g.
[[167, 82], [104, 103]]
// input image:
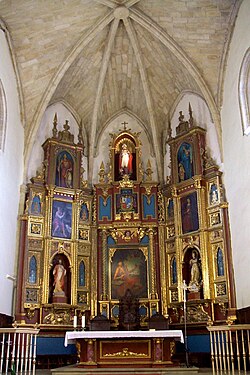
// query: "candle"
[[83, 321], [75, 321], [184, 290]]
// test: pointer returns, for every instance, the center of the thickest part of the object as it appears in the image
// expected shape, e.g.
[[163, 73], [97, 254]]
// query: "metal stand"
[[185, 287]]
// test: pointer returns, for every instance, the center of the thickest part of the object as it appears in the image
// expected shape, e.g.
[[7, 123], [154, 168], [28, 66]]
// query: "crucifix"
[[124, 125]]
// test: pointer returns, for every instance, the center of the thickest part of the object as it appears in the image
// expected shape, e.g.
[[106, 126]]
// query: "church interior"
[[124, 175]]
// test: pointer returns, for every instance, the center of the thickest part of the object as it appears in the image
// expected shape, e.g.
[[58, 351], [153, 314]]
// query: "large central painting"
[[129, 271]]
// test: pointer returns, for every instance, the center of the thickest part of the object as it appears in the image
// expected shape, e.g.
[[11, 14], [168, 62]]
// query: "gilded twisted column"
[[152, 257], [104, 264]]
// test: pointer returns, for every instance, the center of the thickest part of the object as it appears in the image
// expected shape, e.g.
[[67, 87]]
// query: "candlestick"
[[83, 321]]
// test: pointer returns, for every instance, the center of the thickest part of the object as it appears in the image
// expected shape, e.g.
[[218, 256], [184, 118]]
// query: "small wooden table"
[[153, 348]]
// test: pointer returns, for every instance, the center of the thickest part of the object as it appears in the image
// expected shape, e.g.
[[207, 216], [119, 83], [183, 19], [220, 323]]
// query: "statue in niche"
[[59, 273], [195, 274], [125, 160]]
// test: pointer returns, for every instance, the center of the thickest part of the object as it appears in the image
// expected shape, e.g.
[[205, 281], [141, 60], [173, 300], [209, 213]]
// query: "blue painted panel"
[[198, 344], [149, 208], [104, 210], [53, 345]]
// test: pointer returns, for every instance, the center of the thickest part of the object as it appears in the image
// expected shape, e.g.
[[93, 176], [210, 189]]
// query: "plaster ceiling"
[[101, 57]]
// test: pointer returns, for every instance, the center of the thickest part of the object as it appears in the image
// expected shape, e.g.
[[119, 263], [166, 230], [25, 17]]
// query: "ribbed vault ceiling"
[[104, 56]]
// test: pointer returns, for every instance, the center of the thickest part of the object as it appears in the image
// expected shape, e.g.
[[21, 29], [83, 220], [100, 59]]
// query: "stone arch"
[[244, 92], [3, 116]]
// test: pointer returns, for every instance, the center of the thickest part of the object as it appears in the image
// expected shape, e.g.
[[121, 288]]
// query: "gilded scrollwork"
[[161, 209], [58, 317], [196, 313], [126, 353]]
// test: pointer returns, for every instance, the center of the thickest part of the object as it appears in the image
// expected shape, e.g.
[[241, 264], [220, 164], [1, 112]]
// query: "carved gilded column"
[[163, 276], [152, 257], [104, 265], [47, 244], [94, 272]]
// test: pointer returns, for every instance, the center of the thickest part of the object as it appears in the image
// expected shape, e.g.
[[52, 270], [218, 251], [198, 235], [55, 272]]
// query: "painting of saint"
[[185, 162], [36, 205], [213, 194], [170, 208], [189, 213], [174, 271], [64, 170], [84, 212], [220, 263], [128, 271], [61, 219]]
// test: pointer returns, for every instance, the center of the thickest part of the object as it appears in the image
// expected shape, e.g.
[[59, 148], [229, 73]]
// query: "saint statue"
[[195, 278], [59, 273], [125, 160]]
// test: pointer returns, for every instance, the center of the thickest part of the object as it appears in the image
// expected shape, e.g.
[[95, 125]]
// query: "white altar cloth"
[[71, 336]]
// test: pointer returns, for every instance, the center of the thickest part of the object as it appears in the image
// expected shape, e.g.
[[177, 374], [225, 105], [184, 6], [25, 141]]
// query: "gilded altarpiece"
[[56, 237], [198, 251], [82, 248], [127, 225]]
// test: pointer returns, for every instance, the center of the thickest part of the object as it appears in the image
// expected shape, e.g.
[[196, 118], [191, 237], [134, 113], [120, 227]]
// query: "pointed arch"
[[244, 92], [3, 116]]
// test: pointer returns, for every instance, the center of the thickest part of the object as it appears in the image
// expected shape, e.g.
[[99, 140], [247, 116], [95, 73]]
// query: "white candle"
[[184, 290], [83, 321], [75, 321]]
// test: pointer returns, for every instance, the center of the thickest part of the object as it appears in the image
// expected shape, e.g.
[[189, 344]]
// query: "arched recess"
[[127, 112], [112, 126], [244, 92], [202, 117], [3, 116], [67, 278], [191, 254], [64, 112]]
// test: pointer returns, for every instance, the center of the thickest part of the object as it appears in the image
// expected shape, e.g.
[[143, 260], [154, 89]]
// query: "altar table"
[[153, 348]]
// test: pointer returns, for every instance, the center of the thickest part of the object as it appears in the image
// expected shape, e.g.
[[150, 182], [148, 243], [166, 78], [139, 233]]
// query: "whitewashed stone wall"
[[237, 158], [11, 170]]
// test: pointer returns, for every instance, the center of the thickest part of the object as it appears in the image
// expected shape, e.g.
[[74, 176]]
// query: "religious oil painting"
[[64, 170], [84, 212], [36, 205], [185, 161], [61, 219], [213, 194], [128, 271], [170, 209], [189, 213]]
